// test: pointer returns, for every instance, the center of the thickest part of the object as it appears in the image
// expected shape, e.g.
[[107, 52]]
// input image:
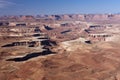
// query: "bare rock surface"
[[60, 47]]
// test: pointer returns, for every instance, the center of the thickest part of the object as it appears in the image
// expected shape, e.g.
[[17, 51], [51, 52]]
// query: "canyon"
[[60, 47]]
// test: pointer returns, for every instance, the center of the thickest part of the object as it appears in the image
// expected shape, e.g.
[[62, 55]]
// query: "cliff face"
[[88, 17], [83, 17]]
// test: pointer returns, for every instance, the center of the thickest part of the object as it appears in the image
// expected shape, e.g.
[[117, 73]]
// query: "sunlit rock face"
[[60, 47]]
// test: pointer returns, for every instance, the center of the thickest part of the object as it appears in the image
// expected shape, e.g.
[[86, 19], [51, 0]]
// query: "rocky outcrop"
[[86, 17]]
